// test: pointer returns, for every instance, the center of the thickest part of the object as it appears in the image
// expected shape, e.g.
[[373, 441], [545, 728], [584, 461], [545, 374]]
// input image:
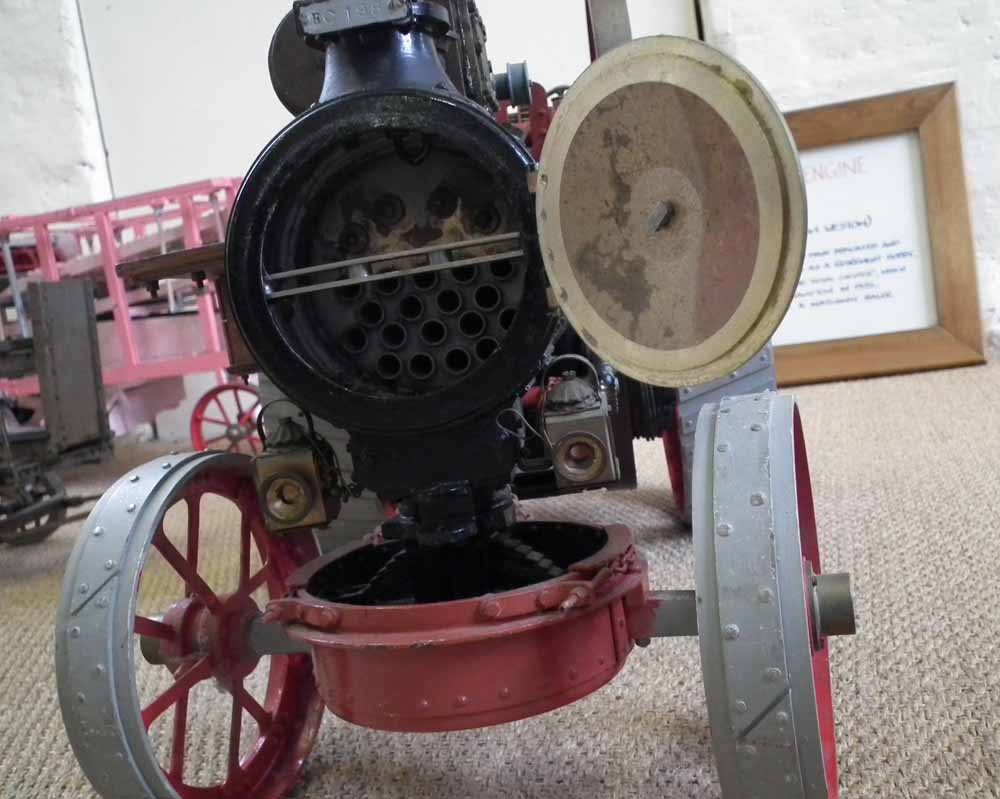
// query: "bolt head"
[[490, 609]]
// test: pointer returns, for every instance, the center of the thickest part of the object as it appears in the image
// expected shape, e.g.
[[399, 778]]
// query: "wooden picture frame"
[[957, 339]]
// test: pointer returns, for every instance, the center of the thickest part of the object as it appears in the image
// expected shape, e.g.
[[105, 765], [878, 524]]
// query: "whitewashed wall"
[[50, 140], [812, 53], [184, 91]]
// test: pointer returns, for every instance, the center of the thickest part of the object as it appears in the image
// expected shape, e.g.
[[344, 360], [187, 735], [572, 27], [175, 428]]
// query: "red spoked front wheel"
[[225, 418], [170, 683]]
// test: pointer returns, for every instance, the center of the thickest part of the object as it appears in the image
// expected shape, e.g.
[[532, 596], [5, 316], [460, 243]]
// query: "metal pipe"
[[482, 259], [8, 263], [676, 614], [392, 256]]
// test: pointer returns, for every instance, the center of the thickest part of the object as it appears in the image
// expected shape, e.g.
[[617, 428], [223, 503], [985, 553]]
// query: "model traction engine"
[[400, 266]]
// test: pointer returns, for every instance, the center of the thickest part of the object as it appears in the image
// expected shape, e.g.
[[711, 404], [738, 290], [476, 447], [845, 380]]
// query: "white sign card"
[[868, 267]]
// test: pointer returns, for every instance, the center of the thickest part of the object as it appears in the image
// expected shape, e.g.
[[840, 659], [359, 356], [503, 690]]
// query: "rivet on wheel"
[[757, 499], [772, 674], [741, 706], [102, 602], [84, 588], [756, 427], [98, 670], [723, 447], [166, 466], [81, 698], [731, 632], [109, 565], [724, 529], [98, 531], [765, 595], [781, 717], [134, 478], [74, 632], [131, 508]]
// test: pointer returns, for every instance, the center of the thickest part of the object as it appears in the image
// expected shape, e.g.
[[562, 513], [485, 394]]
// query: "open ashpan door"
[[671, 211]]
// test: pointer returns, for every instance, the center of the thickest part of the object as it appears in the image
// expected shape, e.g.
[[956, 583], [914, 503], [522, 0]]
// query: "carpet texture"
[[906, 475]]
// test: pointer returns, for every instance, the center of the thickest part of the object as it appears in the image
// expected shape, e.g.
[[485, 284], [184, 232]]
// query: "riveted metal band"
[[753, 601]]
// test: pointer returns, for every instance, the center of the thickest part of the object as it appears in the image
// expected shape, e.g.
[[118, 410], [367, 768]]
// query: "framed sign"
[[889, 282]]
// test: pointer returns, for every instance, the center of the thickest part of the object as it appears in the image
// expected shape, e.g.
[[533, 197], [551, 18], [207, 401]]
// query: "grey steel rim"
[[753, 602]]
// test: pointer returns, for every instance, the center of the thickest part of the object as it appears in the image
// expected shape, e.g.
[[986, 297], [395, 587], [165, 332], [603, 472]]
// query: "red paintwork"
[[474, 662], [675, 462], [821, 656], [534, 122], [203, 636], [532, 398], [210, 419]]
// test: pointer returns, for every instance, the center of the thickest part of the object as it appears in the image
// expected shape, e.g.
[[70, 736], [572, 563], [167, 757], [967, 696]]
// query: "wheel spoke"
[[247, 418], [214, 421], [239, 405], [258, 580], [244, 553], [235, 733], [195, 584], [216, 440], [179, 743], [221, 407], [251, 706], [150, 628], [201, 670]]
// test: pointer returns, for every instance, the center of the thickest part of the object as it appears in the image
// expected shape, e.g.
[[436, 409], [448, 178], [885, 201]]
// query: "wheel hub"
[[221, 636]]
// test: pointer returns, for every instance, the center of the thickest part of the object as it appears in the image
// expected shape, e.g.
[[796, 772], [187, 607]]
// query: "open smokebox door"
[[671, 211]]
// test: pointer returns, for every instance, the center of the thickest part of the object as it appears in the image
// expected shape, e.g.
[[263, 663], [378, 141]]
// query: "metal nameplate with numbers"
[[334, 16]]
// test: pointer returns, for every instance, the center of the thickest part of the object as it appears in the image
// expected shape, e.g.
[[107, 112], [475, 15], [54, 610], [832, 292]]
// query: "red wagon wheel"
[[161, 647], [225, 418]]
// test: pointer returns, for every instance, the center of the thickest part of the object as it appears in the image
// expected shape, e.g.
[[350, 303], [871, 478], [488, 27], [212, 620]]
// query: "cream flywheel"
[[671, 211]]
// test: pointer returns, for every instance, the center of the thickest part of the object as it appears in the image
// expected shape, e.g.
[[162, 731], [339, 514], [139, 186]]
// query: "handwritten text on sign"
[[868, 258]]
